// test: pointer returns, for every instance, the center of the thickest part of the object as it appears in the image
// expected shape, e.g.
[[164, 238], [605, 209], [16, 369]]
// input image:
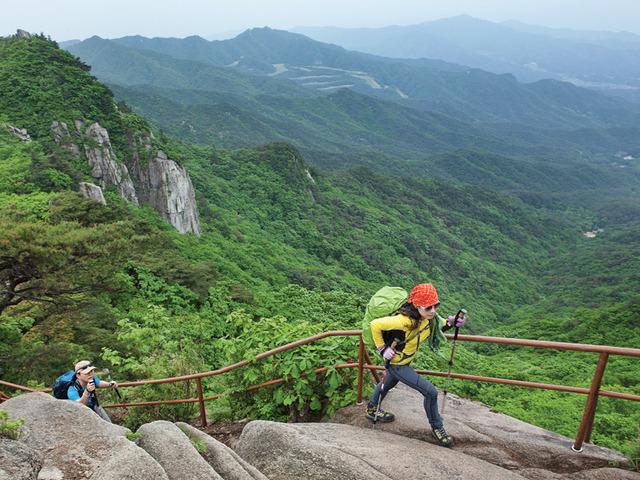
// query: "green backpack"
[[384, 302]]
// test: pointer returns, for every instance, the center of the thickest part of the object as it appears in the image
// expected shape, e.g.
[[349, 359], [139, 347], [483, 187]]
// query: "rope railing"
[[365, 363]]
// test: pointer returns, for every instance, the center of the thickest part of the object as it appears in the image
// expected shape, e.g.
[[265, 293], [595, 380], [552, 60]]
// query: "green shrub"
[[9, 428]]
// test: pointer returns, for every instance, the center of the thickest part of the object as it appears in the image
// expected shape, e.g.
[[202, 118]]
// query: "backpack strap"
[[418, 333]]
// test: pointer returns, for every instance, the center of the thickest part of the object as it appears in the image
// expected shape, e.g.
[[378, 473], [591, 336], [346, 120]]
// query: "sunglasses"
[[430, 307]]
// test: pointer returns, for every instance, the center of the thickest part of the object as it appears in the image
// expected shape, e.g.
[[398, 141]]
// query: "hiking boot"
[[382, 416], [443, 438]]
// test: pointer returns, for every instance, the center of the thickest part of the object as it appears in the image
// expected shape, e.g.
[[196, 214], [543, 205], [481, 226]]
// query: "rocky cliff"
[[159, 182], [166, 186]]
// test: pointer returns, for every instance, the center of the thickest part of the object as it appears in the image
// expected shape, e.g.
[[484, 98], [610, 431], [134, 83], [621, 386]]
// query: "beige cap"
[[84, 366]]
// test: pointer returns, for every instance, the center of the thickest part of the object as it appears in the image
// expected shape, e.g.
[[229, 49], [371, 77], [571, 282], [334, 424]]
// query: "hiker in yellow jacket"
[[398, 338]]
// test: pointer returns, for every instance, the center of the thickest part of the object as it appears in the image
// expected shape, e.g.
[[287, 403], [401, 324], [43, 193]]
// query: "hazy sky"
[[68, 19]]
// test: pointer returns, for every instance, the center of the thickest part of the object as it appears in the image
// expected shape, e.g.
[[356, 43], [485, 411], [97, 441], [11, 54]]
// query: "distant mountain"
[[68, 43], [603, 60], [469, 94], [620, 40], [114, 63], [229, 108]]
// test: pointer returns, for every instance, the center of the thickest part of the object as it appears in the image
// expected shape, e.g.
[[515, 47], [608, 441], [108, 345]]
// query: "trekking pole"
[[462, 312], [384, 379], [115, 389]]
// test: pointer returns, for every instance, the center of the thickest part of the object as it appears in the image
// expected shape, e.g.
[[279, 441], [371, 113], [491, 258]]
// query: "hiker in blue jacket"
[[397, 338], [83, 389]]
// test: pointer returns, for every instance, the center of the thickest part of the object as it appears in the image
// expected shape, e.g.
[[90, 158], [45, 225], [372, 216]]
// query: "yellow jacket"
[[386, 329]]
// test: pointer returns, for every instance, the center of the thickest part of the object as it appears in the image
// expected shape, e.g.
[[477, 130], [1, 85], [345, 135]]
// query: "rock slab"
[[493, 437], [322, 451]]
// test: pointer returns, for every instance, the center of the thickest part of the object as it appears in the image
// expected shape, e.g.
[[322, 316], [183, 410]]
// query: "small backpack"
[[62, 384], [384, 302]]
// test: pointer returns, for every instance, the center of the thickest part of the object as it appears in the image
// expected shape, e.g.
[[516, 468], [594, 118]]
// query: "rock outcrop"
[[104, 165], [496, 438], [22, 33], [223, 460], [321, 451], [65, 440], [63, 138], [75, 443], [92, 192], [166, 186], [173, 450], [21, 133], [159, 182]]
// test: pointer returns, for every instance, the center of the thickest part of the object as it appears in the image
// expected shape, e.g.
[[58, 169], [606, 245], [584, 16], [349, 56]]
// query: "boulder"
[[75, 443], [174, 451], [494, 437], [18, 461], [317, 451], [92, 192], [21, 133], [223, 460]]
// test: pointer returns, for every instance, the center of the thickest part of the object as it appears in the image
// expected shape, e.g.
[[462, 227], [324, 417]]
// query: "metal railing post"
[[584, 431], [203, 412], [360, 370]]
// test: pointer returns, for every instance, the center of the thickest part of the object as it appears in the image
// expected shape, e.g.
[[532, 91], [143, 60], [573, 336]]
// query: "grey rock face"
[[321, 451], [62, 137], [18, 461], [493, 437], [161, 183], [22, 33], [173, 450], [166, 186], [21, 133], [75, 443], [93, 192], [223, 460], [105, 167]]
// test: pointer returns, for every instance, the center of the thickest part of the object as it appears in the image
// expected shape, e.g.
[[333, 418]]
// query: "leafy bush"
[[9, 428]]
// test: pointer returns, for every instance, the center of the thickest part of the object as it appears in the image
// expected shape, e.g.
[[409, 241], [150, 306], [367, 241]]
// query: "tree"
[[45, 262]]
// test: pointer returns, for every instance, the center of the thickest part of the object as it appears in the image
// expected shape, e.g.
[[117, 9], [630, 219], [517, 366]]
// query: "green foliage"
[[305, 395], [635, 453], [57, 86], [133, 436], [197, 443], [9, 428]]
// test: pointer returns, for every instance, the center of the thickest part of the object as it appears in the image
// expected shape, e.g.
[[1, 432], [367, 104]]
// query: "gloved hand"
[[452, 322], [387, 352]]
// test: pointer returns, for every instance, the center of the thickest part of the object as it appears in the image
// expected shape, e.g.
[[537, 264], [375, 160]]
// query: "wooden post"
[[584, 431], [360, 370], [374, 373], [203, 412]]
